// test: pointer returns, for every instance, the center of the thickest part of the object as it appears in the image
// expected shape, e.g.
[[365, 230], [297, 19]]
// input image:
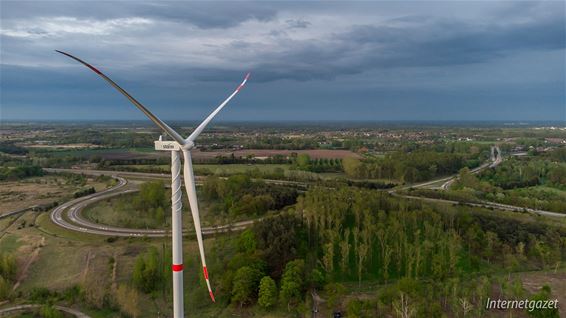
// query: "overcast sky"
[[477, 60]]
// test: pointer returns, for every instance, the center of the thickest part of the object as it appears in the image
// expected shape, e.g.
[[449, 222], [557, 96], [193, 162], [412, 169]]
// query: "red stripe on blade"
[[94, 69], [205, 272], [177, 267], [212, 296]]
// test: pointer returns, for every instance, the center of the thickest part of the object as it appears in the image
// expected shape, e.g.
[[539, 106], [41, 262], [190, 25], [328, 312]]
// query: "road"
[[26, 308], [68, 215], [495, 160], [149, 175], [10, 213]]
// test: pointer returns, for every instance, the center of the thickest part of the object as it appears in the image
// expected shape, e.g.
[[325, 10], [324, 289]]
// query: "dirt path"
[[114, 270], [89, 256], [33, 257]]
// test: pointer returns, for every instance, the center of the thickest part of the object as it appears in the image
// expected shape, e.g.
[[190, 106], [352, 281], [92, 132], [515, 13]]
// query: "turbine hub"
[[188, 145]]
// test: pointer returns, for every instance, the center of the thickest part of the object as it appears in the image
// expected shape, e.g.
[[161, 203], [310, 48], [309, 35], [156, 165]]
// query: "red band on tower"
[[177, 267]]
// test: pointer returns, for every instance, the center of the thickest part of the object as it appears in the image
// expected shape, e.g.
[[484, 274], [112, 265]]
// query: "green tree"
[[247, 242], [542, 295], [47, 311], [292, 282], [557, 175], [8, 267], [316, 278], [352, 167], [152, 195], [4, 288], [160, 214], [267, 292], [280, 240], [245, 285], [333, 291], [147, 275], [303, 162]]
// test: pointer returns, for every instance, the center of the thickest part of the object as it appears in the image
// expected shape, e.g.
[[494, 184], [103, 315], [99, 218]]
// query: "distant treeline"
[[20, 172], [84, 192], [281, 143], [359, 233], [240, 195], [305, 163], [12, 149], [526, 172], [419, 165], [276, 159]]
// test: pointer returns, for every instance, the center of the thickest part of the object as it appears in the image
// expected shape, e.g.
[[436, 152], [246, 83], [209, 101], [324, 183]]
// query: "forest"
[[415, 166], [534, 182], [240, 195], [398, 256], [17, 168], [417, 254]]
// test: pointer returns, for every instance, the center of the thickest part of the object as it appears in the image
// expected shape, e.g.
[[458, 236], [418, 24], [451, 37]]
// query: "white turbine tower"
[[178, 145]]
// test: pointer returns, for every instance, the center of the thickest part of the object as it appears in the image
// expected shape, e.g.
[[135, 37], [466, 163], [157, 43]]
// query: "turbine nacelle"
[[172, 145]]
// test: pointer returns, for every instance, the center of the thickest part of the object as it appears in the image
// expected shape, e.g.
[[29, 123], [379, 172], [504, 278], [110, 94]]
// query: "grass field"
[[213, 169], [25, 193], [120, 211], [240, 168], [48, 256]]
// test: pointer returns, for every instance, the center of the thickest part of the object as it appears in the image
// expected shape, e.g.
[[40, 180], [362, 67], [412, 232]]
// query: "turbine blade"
[[192, 194], [141, 107], [201, 127]]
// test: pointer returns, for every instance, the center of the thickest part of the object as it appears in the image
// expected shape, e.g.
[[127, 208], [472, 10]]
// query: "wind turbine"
[[184, 145]]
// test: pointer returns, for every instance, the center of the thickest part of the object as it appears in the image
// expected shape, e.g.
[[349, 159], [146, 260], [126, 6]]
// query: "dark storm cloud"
[[226, 15], [368, 54], [201, 14], [432, 43]]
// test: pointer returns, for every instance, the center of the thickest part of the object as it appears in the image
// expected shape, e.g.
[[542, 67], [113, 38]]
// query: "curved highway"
[[68, 215], [495, 160], [30, 307]]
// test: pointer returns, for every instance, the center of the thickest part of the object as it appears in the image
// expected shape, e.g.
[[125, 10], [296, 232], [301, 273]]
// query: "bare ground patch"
[[533, 282]]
